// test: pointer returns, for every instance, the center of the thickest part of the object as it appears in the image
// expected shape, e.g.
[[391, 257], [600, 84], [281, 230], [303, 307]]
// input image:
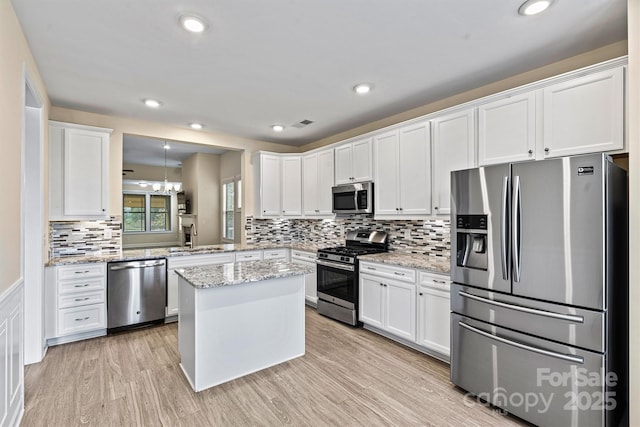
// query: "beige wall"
[[634, 212], [599, 55], [15, 59], [151, 173], [201, 181]]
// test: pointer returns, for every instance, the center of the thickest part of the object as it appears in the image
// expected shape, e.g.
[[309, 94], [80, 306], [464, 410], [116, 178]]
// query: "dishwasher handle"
[[135, 264]]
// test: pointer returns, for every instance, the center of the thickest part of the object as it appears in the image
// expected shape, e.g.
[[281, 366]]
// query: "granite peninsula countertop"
[[176, 251], [213, 276], [411, 260]]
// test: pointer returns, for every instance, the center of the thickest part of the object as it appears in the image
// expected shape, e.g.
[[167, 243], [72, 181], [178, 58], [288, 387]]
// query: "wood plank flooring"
[[348, 377]]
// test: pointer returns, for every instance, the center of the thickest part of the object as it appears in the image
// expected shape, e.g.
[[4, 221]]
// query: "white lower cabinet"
[[407, 303], [388, 304], [434, 312], [76, 302], [310, 280], [174, 263]]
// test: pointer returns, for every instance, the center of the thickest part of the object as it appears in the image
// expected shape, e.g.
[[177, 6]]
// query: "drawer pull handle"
[[442, 282], [82, 299], [81, 286], [82, 272], [371, 268], [397, 273], [566, 357], [538, 312], [82, 320]]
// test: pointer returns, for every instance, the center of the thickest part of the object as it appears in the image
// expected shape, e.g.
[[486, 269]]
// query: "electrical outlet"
[[108, 233]]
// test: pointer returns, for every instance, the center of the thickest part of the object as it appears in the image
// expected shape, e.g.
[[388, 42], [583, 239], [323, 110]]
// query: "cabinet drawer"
[[275, 254], [81, 319], [248, 256], [82, 299], [89, 284], [391, 271], [81, 271], [197, 260], [439, 281], [304, 256]]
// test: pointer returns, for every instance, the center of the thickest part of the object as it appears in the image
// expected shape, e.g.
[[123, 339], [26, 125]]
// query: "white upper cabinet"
[[353, 162], [277, 185], [453, 149], [267, 186], [78, 171], [292, 185], [507, 130], [584, 114], [317, 180], [402, 172]]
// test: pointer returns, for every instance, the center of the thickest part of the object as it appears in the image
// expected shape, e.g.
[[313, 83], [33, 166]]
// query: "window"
[[146, 212], [228, 209]]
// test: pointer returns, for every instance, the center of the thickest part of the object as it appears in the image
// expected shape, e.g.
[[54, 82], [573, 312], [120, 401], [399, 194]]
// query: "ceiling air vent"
[[302, 124]]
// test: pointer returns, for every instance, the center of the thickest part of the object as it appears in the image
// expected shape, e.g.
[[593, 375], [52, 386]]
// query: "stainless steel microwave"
[[353, 198]]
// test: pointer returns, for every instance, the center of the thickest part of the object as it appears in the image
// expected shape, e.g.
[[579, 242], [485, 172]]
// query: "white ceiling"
[[282, 61]]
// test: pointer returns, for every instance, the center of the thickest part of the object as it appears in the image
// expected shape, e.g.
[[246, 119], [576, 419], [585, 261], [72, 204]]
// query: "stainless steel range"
[[338, 274]]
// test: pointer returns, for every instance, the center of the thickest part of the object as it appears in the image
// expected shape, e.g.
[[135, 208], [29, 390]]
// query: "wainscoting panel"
[[11, 355]]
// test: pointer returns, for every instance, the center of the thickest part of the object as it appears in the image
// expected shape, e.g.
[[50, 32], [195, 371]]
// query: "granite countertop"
[[154, 253], [406, 259], [213, 276]]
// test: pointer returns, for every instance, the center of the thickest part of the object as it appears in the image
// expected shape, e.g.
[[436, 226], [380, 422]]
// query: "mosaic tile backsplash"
[[70, 238], [429, 237]]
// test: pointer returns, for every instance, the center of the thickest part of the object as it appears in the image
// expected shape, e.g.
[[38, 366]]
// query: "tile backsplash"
[[429, 237], [99, 237]]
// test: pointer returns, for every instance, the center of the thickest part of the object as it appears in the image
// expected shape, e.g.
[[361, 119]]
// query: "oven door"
[[337, 283]]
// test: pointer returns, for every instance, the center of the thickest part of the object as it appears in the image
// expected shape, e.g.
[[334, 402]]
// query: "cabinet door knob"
[[530, 151], [435, 208], [420, 293], [546, 150]]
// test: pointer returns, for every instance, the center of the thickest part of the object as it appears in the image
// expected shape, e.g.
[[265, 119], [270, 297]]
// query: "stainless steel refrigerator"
[[539, 309]]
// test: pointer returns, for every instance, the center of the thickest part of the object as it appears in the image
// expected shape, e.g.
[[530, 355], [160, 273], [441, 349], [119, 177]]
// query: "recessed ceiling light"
[[152, 103], [196, 126], [193, 23], [533, 7], [362, 88], [277, 128]]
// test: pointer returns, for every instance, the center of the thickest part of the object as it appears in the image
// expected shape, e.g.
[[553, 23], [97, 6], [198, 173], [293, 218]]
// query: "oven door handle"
[[337, 265]]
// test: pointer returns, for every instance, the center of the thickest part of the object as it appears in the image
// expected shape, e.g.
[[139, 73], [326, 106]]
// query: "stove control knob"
[[343, 258]]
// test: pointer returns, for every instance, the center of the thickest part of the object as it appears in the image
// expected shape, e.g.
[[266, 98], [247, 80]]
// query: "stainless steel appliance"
[[337, 274], [539, 300], [353, 198], [136, 293]]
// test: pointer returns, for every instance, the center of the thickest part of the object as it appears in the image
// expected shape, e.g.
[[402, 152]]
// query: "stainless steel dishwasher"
[[136, 293]]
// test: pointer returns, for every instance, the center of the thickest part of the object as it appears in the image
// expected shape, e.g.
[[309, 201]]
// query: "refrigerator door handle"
[[566, 357], [517, 229], [560, 316], [503, 228]]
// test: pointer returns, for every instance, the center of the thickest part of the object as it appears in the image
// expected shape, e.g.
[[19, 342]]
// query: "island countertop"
[[213, 276]]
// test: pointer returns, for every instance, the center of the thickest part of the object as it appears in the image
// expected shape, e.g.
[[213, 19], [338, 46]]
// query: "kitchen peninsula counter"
[[239, 318]]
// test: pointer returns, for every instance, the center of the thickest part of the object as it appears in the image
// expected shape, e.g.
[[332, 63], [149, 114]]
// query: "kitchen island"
[[239, 318]]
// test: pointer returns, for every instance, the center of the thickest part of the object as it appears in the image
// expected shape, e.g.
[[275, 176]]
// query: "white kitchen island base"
[[227, 332]]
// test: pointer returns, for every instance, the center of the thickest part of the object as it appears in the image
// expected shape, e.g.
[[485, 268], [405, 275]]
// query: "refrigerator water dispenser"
[[472, 241]]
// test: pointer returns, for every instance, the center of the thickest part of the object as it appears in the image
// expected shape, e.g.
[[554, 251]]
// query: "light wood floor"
[[348, 377]]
